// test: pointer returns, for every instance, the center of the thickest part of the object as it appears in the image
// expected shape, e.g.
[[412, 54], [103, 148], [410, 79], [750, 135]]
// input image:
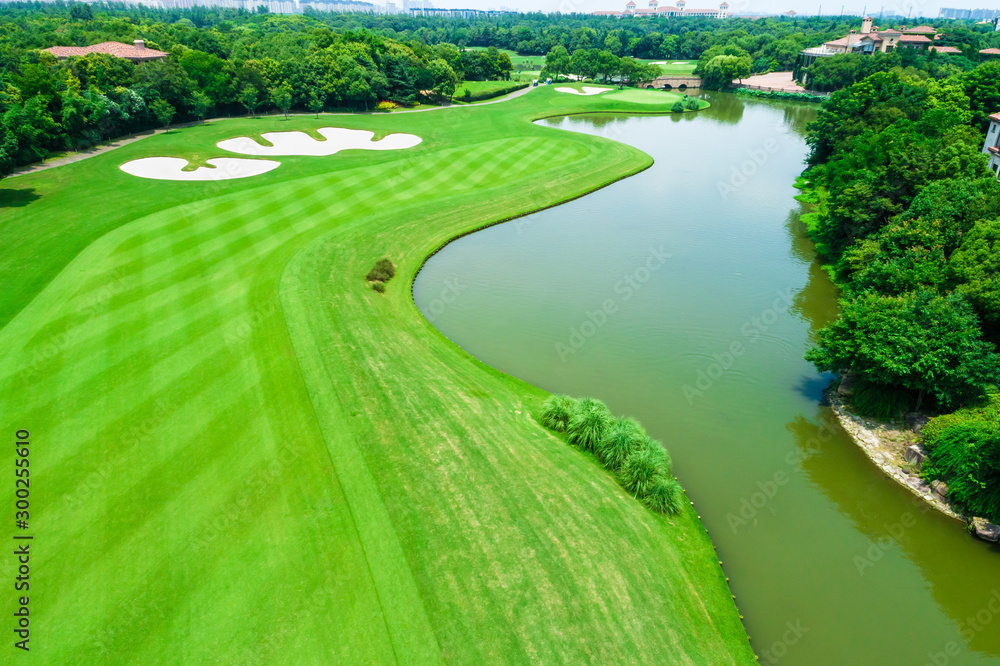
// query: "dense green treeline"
[[908, 215], [232, 62], [238, 66]]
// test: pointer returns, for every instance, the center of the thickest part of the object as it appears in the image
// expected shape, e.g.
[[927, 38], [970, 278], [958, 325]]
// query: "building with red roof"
[[136, 52]]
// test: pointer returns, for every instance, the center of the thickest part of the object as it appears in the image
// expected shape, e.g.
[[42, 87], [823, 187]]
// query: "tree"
[[976, 266], [923, 342], [315, 103], [281, 97], [557, 61], [163, 111], [81, 11], [613, 43], [249, 99], [200, 104], [608, 65], [444, 77], [583, 63], [720, 71]]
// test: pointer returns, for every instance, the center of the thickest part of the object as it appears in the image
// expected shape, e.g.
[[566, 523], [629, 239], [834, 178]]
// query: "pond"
[[686, 296]]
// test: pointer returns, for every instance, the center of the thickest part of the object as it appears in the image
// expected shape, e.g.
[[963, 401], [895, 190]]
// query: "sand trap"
[[300, 143], [680, 62], [587, 90], [170, 168]]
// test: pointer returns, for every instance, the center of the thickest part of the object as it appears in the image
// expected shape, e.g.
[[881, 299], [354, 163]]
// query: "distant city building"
[[136, 51], [973, 14], [653, 8], [992, 144], [456, 13]]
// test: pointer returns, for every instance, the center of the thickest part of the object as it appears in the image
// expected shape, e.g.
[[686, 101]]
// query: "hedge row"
[[640, 464]]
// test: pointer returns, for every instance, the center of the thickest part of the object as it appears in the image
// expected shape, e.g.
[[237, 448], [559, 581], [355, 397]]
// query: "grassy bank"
[[244, 452]]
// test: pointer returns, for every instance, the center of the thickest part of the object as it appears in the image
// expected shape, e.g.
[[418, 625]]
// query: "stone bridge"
[[674, 82]]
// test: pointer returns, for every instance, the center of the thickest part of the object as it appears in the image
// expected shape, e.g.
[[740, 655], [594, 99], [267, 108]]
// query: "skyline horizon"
[[912, 8]]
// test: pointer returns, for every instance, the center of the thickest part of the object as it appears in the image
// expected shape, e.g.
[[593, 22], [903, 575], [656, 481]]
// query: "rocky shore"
[[895, 447]]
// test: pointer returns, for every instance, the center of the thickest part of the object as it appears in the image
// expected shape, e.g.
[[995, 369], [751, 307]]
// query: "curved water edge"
[[813, 536]]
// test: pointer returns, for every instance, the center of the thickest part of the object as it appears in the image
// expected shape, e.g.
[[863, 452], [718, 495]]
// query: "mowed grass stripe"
[[404, 512]]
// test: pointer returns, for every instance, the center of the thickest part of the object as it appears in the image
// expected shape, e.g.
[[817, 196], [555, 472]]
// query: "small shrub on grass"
[[383, 271], [881, 402], [691, 105], [379, 287], [665, 496], [385, 105], [467, 95], [556, 412], [624, 437], [678, 107], [589, 424]]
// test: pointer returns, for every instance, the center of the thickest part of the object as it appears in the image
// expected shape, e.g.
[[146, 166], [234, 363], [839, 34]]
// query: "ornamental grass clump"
[[624, 437], [642, 470], [641, 464], [557, 411], [665, 496], [589, 424]]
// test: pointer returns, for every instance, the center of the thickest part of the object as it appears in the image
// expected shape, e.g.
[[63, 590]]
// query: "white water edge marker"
[[300, 143], [171, 168]]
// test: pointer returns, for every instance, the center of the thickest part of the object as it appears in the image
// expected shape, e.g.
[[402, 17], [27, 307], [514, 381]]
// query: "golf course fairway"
[[241, 453]]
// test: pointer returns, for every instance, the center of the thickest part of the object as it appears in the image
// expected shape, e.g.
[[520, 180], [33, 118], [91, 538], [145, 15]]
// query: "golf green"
[[241, 453]]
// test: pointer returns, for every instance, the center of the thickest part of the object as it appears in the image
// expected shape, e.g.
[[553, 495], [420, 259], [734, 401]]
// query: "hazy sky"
[[918, 7]]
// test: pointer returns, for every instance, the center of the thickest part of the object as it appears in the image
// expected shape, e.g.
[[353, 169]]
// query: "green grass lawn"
[[675, 67], [243, 454]]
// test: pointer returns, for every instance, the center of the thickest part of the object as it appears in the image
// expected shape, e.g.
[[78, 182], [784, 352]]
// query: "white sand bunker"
[[170, 168], [300, 143], [587, 90]]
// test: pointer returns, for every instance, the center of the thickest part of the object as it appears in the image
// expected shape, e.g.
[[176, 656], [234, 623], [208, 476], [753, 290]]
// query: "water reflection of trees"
[[726, 108], [960, 572], [816, 302]]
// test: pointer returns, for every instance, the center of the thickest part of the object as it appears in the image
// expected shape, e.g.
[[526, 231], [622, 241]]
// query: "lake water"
[[686, 296]]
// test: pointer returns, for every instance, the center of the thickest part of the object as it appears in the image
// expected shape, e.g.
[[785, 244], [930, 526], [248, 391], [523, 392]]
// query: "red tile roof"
[[945, 49], [994, 150], [915, 39], [990, 51], [134, 52], [995, 117], [850, 40], [922, 30]]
